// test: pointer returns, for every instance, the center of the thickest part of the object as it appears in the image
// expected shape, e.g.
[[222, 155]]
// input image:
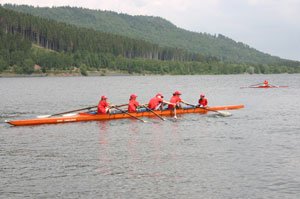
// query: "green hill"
[[84, 48], [155, 30], [50, 45]]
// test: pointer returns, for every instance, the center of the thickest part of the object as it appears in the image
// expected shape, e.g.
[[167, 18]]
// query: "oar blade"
[[69, 114], [43, 116], [224, 113]]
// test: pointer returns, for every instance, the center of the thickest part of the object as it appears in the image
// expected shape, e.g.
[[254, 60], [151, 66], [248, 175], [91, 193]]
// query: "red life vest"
[[154, 102], [133, 104], [102, 106], [202, 102], [175, 99], [266, 83]]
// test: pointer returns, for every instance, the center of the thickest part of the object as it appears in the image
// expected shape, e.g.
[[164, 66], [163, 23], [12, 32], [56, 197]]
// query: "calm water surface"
[[255, 153]]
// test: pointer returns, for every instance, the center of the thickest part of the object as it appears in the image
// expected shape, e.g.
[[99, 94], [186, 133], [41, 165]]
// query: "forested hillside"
[[155, 30], [26, 40]]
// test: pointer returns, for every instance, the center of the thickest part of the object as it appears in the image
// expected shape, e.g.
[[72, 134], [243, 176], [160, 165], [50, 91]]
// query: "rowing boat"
[[266, 87], [86, 116]]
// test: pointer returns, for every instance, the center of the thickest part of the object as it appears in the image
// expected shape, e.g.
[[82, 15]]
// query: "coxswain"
[[175, 99], [156, 102], [103, 105], [133, 104], [266, 83], [202, 101]]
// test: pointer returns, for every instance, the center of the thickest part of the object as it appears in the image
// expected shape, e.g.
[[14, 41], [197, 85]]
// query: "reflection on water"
[[252, 154]]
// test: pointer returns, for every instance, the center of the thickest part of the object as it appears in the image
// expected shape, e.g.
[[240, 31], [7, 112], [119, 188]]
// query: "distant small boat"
[[269, 86], [265, 84]]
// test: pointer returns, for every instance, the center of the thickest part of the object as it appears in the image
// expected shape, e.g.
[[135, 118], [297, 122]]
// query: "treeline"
[[62, 37], [26, 40], [155, 30]]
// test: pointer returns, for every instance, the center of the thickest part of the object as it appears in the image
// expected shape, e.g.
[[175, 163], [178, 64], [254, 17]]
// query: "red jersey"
[[175, 99], [202, 102], [154, 102], [133, 104], [102, 106]]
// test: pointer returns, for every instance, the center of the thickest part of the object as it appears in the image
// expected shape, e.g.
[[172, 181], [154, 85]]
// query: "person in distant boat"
[[266, 83], [133, 104], [103, 105], [175, 99], [202, 101], [157, 102]]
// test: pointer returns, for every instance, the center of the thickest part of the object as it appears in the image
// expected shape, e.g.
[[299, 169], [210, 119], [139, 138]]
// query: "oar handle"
[[201, 107], [118, 105], [190, 104]]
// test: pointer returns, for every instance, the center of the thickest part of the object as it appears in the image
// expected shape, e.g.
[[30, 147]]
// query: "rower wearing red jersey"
[[103, 105], [202, 101], [133, 104], [266, 83], [175, 99], [156, 102]]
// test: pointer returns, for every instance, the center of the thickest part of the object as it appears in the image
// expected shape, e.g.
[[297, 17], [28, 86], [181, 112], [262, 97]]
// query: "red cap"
[[177, 93], [132, 96], [159, 95], [103, 97], [202, 95]]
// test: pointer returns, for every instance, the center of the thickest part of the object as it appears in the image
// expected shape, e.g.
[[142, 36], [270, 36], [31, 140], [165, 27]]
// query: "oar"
[[154, 113], [278, 86], [62, 113], [223, 113], [175, 115], [246, 87], [129, 114], [251, 86], [45, 116], [255, 84]]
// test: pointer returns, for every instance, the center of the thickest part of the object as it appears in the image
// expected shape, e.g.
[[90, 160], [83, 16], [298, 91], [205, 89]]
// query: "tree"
[[3, 65], [28, 66]]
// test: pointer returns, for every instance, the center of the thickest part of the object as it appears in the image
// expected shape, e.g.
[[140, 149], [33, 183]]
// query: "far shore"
[[67, 74], [94, 74]]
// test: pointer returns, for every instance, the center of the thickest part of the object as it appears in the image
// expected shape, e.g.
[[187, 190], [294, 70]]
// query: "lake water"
[[255, 153]]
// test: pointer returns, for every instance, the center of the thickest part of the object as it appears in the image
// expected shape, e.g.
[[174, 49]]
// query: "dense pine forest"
[[153, 29], [27, 41]]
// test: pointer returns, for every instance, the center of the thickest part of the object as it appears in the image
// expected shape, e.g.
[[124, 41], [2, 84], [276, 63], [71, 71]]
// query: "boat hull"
[[266, 87], [80, 117]]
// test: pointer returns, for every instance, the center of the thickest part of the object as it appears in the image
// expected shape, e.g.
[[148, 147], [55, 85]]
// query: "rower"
[[103, 105], [175, 99], [266, 83], [202, 101], [133, 104], [156, 102]]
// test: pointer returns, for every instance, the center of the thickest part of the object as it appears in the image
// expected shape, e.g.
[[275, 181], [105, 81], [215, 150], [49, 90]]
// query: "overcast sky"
[[270, 26]]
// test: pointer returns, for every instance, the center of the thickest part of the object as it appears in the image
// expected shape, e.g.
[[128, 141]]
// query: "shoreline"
[[67, 74], [99, 74]]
